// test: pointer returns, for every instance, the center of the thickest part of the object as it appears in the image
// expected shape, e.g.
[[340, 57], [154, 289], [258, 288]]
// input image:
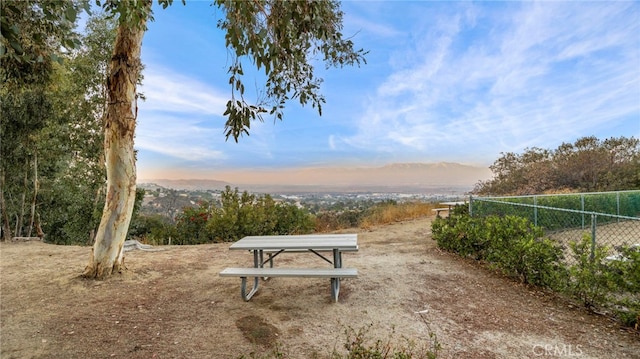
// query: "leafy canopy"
[[282, 38], [33, 31]]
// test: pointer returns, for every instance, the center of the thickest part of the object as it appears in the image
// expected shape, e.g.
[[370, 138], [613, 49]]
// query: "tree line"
[[587, 165], [52, 102]]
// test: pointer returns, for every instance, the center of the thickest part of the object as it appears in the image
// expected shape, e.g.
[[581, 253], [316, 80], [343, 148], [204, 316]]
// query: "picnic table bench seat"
[[438, 210], [332, 273]]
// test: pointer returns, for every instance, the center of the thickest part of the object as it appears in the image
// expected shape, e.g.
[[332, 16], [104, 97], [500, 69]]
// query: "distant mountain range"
[[397, 177]]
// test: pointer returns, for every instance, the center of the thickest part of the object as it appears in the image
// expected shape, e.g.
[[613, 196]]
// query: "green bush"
[[249, 215], [509, 243], [153, 229], [235, 216], [626, 278], [591, 281], [459, 233], [517, 247], [191, 225], [628, 266], [293, 220]]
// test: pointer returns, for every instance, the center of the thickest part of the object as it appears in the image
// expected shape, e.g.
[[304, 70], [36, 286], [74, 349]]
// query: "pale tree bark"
[[36, 187], [120, 122], [20, 217]]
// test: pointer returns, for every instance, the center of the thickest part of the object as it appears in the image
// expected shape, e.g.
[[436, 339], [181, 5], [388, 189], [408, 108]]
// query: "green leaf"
[[87, 7], [71, 14], [16, 47]]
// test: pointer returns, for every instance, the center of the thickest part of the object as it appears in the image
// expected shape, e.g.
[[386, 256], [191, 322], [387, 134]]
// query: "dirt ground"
[[172, 304]]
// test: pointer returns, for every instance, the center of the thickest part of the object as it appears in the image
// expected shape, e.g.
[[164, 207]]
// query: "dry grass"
[[392, 213]]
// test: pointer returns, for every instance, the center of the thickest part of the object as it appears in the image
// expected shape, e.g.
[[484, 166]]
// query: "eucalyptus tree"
[[281, 38]]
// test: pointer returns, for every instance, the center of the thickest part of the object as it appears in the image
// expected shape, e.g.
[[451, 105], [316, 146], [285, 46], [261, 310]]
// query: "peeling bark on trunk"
[[120, 121]]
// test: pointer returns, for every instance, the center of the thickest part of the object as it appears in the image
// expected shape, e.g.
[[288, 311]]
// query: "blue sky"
[[445, 81]]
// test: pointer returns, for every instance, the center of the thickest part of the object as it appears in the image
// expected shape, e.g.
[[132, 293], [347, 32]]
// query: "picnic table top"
[[456, 203], [343, 242]]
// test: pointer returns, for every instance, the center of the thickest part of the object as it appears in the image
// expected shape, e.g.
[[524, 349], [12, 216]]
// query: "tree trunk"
[[120, 121], [6, 226], [20, 217], [36, 187]]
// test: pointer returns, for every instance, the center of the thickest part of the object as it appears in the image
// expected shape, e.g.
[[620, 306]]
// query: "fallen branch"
[[16, 239], [131, 245]]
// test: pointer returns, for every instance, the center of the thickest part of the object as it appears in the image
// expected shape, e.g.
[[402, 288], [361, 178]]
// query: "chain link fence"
[[610, 219]]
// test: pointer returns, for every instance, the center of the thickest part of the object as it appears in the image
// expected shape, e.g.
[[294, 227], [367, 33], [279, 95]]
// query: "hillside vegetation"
[[234, 215], [587, 165]]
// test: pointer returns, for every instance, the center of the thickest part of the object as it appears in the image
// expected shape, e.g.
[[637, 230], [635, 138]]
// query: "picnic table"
[[449, 206], [274, 246]]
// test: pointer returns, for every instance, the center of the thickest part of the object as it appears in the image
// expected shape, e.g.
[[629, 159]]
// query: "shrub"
[[591, 280], [293, 220], [626, 277], [510, 243], [516, 246], [360, 345], [458, 234], [249, 215], [153, 229], [190, 225]]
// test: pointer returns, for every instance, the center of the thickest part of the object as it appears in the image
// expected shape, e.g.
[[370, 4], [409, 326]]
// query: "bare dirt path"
[[172, 304]]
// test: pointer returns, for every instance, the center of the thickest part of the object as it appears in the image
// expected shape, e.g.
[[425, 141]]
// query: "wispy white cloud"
[[532, 77], [184, 138], [375, 28], [168, 91], [180, 116]]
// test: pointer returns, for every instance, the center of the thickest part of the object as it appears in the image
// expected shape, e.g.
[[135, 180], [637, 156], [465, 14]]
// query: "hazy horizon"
[[399, 175]]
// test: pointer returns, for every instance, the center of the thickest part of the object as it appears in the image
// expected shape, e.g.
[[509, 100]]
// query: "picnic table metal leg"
[[335, 289], [337, 258], [243, 288], [335, 282], [258, 256]]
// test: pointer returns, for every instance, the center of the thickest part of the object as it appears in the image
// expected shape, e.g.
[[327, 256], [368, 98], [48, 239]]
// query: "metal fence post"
[[593, 236], [535, 211], [470, 206], [582, 208]]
